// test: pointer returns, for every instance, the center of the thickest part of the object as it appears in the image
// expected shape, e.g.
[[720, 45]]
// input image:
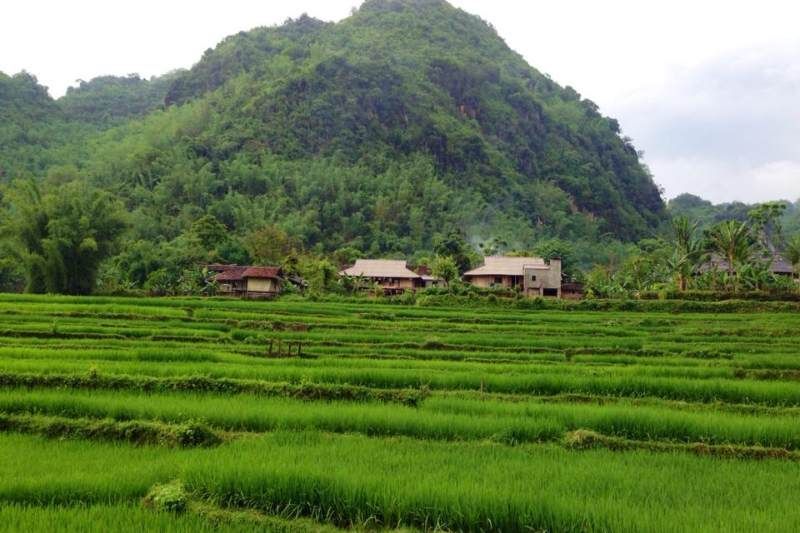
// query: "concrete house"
[[393, 276], [247, 281], [533, 276]]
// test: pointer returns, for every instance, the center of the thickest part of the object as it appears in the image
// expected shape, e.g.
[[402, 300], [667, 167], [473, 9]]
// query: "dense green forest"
[[404, 128], [706, 214], [383, 133]]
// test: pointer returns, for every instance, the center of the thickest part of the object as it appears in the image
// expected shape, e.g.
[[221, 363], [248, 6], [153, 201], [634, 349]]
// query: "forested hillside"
[[382, 134], [707, 214], [108, 100]]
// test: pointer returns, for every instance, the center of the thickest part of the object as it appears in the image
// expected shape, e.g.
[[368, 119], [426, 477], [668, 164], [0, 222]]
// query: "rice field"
[[122, 414]]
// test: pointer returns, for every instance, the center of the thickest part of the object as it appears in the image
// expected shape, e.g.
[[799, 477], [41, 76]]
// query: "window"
[[498, 280], [533, 278]]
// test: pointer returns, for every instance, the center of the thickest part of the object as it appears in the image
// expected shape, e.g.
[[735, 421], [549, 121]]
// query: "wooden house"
[[426, 279], [247, 281], [393, 276], [777, 265]]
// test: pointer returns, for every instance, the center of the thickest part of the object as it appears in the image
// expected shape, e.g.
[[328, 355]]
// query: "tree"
[[766, 222], [733, 241], [557, 249], [793, 253], [210, 231], [687, 251], [445, 268], [455, 247], [270, 245], [61, 238]]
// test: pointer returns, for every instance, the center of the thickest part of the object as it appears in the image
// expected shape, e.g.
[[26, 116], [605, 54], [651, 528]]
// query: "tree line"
[[79, 239]]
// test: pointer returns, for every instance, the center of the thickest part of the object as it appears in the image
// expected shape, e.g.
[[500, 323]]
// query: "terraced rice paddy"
[[201, 415]]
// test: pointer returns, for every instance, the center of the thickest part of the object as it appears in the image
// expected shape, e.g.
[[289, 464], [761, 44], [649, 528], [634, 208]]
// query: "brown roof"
[[425, 273], [779, 265], [506, 266], [379, 268], [232, 273], [238, 273], [261, 272]]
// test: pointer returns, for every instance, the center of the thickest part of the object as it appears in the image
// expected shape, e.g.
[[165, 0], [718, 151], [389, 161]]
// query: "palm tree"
[[687, 250], [733, 241], [682, 265], [684, 231]]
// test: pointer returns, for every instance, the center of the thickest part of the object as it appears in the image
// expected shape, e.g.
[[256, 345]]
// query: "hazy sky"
[[710, 90]]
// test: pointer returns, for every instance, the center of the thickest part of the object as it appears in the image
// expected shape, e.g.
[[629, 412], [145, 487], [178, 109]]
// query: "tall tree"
[[455, 246], [445, 268], [733, 241], [61, 238], [687, 251], [270, 245], [766, 222]]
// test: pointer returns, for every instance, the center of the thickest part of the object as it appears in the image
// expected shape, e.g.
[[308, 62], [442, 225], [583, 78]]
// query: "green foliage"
[[401, 413], [109, 100], [454, 247], [270, 245], [765, 220], [209, 231], [445, 268], [793, 252], [733, 241], [170, 497], [60, 238], [382, 133]]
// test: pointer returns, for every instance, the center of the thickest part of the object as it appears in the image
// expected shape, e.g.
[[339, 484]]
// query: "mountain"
[[400, 124], [108, 100], [38, 132], [707, 214]]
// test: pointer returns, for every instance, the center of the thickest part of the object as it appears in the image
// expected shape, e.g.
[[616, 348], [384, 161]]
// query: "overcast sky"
[[709, 90]]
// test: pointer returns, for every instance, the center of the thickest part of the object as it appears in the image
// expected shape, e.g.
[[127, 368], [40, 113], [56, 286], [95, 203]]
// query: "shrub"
[[169, 497]]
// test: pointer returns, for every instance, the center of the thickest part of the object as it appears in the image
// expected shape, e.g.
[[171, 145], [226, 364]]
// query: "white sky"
[[708, 89]]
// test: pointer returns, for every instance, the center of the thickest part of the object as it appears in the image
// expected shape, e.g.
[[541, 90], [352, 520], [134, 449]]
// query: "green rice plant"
[[93, 380], [121, 518], [187, 434], [436, 419], [352, 480]]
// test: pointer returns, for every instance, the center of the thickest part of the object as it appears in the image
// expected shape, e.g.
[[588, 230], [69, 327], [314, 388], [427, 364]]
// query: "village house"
[[778, 266], [533, 276], [427, 280], [247, 281], [393, 276]]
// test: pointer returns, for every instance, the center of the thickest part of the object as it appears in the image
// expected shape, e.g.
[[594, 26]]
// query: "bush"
[[169, 497]]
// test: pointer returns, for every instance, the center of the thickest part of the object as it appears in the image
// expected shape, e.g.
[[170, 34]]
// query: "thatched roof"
[[232, 273], [262, 272], [379, 268], [238, 273], [779, 265], [507, 266]]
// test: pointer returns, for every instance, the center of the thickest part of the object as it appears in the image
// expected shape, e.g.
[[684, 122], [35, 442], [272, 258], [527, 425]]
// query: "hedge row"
[[303, 391]]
